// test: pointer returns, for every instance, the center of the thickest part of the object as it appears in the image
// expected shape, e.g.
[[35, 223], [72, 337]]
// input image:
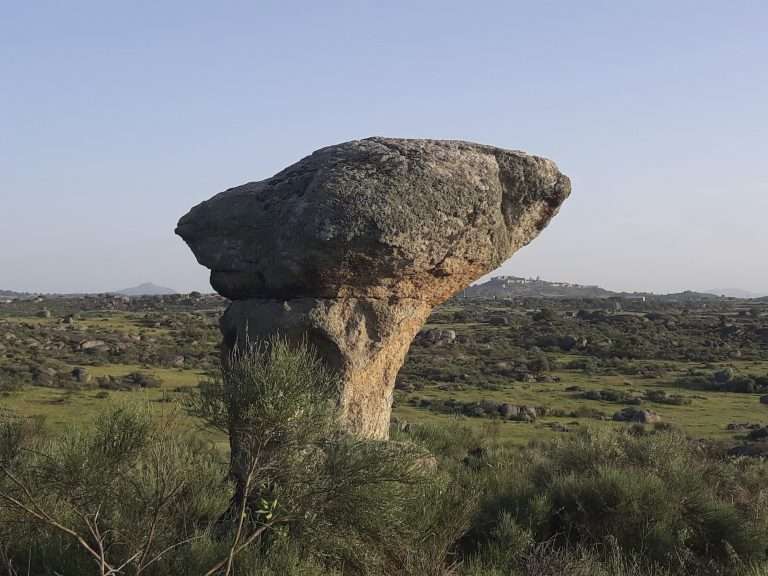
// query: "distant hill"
[[13, 295], [146, 289], [734, 293], [686, 296], [512, 286]]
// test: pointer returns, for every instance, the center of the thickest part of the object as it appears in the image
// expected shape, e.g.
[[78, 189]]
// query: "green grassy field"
[[124, 323], [60, 409], [707, 415]]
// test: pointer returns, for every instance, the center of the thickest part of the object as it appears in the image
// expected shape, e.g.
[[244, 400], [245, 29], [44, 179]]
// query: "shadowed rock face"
[[354, 245]]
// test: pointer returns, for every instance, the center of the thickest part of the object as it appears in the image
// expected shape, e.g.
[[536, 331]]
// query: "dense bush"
[[653, 496], [135, 495], [129, 381], [131, 495], [12, 379], [723, 380], [622, 397], [127, 486]]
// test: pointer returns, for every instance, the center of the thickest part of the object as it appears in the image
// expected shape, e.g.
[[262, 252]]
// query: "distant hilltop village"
[[513, 286], [516, 287], [515, 281]]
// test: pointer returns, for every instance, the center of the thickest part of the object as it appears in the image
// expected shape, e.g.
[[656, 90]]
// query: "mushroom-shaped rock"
[[354, 245]]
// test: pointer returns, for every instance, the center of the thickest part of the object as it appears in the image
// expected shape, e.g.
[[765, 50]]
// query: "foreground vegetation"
[[137, 494], [531, 437]]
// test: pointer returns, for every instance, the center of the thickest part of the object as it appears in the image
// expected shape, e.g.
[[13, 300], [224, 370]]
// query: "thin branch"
[[237, 547], [241, 520], [240, 548], [163, 552], [36, 511], [93, 528], [123, 565], [155, 520], [7, 561]]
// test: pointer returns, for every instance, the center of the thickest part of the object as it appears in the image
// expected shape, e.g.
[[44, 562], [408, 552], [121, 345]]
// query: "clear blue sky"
[[116, 117]]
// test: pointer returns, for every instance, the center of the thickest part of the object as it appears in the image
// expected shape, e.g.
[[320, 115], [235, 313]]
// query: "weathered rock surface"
[[354, 245]]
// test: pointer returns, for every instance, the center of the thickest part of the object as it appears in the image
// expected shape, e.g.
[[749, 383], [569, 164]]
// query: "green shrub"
[[364, 505], [724, 380], [112, 486], [653, 495]]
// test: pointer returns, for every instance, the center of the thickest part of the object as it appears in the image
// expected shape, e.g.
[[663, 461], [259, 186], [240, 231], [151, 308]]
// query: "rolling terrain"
[[535, 367]]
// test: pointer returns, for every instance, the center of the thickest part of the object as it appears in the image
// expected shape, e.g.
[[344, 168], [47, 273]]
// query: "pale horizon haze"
[[116, 118]]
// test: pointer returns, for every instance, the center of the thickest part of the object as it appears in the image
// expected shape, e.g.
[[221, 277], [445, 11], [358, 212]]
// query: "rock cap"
[[375, 218]]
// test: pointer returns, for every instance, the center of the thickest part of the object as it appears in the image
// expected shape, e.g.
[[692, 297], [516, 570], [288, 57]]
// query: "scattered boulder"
[[404, 385], [93, 345], [437, 336], [758, 434], [663, 397], [508, 411], [129, 381], [518, 413], [46, 372], [612, 396], [81, 375], [758, 450], [528, 413], [354, 245], [631, 414], [742, 426]]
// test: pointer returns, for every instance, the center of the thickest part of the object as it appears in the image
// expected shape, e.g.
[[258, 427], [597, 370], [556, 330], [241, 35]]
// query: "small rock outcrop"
[[355, 244], [631, 414], [437, 337]]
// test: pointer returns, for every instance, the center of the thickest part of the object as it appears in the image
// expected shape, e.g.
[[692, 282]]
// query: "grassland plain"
[[533, 353], [707, 416]]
